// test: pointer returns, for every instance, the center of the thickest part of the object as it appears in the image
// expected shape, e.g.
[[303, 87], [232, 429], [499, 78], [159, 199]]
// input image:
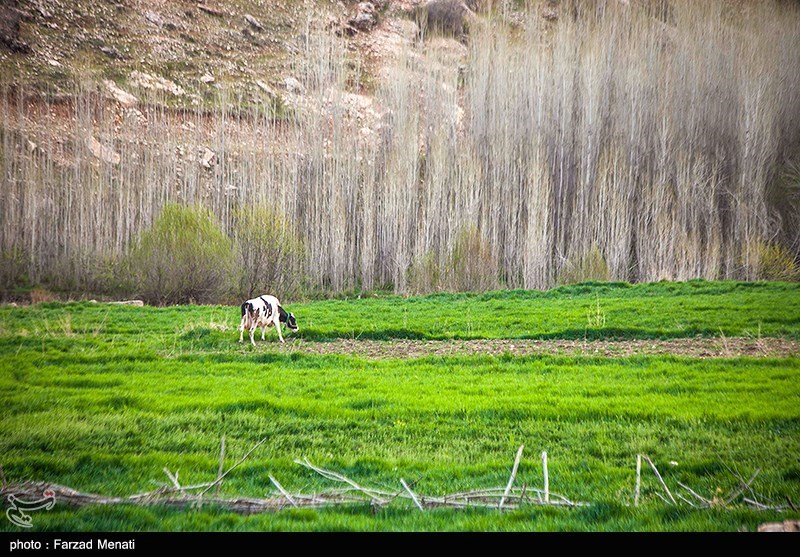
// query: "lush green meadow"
[[102, 397]]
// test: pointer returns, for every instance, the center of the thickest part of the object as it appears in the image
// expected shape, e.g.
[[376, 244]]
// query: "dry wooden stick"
[[724, 342], [546, 478], [413, 497], [682, 498], [638, 480], [690, 490], [742, 488], [513, 476], [653, 466], [219, 479], [174, 478], [755, 504], [662, 497], [221, 464], [495, 492], [341, 478], [283, 491]]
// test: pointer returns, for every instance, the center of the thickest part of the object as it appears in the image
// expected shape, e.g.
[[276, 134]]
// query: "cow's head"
[[291, 322], [288, 318]]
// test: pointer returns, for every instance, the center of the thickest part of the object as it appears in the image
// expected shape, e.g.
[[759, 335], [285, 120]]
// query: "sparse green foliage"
[[183, 258], [586, 267], [775, 262], [472, 265], [595, 316], [270, 255], [12, 270], [425, 274]]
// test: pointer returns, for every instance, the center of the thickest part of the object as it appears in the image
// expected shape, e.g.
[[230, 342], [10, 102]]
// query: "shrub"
[[270, 255], [41, 295], [183, 258], [590, 265], [448, 17], [775, 262], [424, 274], [473, 267], [12, 270]]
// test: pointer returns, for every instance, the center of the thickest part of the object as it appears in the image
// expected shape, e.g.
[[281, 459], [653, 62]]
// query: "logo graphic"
[[16, 512]]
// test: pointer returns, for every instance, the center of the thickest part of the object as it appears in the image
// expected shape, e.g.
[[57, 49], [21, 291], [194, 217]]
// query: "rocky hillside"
[[189, 47]]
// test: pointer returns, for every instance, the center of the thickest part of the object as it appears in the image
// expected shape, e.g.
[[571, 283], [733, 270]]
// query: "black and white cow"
[[264, 311]]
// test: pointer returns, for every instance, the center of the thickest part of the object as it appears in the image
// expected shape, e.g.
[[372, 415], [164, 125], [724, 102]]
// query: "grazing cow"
[[264, 311]]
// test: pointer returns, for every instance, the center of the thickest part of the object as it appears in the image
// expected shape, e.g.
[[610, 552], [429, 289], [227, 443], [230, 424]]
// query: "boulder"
[[366, 17], [254, 23], [122, 97], [292, 85], [102, 152]]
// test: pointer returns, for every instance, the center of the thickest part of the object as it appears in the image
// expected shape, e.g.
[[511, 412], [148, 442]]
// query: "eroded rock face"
[[102, 152], [10, 17], [366, 17], [147, 81], [121, 96]]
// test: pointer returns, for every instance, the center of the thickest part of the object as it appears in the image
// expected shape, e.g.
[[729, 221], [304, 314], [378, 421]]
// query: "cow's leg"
[[241, 329], [263, 332], [278, 325], [252, 333]]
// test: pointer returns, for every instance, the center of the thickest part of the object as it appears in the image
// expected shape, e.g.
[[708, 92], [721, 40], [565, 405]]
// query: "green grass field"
[[102, 397]]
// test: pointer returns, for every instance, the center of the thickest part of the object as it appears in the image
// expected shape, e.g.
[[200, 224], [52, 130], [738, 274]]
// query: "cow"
[[265, 311]]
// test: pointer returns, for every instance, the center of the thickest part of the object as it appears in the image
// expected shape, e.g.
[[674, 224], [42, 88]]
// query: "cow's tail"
[[249, 309]]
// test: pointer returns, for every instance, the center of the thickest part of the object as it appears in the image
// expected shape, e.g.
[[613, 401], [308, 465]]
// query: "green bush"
[[590, 265], [270, 255], [183, 258], [473, 267]]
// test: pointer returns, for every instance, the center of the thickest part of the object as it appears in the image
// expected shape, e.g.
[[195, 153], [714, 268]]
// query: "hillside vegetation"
[[514, 145]]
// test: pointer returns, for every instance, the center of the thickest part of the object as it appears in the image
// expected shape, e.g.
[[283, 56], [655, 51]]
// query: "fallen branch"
[[755, 504], [700, 497], [546, 478], [221, 465], [411, 493], [662, 497], [743, 487], [341, 478], [219, 479], [172, 478], [653, 466], [283, 491], [513, 475]]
